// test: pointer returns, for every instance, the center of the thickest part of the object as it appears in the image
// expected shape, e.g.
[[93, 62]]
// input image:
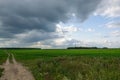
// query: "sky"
[[59, 23]]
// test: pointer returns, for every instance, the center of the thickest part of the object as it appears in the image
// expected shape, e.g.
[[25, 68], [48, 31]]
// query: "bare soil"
[[15, 71]]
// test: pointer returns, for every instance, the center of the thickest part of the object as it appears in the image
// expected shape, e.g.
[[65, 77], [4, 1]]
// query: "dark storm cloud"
[[35, 36], [18, 16]]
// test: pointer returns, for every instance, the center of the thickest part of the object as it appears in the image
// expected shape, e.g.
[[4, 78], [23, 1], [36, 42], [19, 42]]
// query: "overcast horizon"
[[59, 23]]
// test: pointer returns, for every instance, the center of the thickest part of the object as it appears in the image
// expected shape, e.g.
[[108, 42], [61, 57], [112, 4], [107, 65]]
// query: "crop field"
[[3, 56], [73, 64]]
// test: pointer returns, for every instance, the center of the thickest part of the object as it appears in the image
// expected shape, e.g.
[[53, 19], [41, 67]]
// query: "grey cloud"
[[64, 44], [70, 43], [35, 36], [109, 8], [19, 16], [84, 8]]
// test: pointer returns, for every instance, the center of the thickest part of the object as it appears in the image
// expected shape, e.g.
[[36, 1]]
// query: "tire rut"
[[15, 70]]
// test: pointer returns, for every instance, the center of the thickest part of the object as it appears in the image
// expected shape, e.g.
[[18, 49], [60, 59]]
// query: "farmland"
[[63, 64]]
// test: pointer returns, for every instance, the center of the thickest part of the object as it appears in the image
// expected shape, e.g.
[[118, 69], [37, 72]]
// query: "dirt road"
[[15, 71]]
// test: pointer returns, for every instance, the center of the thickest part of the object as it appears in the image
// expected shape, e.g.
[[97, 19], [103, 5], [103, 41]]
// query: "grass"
[[3, 57], [79, 68], [33, 54], [1, 70], [85, 64]]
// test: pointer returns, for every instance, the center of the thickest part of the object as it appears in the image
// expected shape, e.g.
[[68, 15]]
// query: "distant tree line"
[[86, 48], [21, 48]]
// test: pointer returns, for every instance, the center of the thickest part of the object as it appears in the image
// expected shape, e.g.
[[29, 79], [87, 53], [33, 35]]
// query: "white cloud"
[[90, 30], [107, 42], [12, 43], [109, 8], [116, 33], [73, 14], [66, 29], [59, 41], [111, 44], [40, 45], [113, 24]]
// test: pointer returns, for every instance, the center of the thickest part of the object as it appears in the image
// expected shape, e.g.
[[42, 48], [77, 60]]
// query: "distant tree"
[[105, 48], [21, 48], [82, 48]]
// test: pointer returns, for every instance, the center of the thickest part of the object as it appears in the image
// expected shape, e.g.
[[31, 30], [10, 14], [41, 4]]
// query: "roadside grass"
[[85, 64], [79, 68], [1, 70], [75, 68], [3, 57]]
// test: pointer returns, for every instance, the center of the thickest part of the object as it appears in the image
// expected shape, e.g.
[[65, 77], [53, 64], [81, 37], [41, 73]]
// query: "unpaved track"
[[15, 71]]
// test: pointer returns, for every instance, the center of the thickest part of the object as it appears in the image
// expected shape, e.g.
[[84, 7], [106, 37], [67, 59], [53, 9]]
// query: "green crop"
[[63, 64]]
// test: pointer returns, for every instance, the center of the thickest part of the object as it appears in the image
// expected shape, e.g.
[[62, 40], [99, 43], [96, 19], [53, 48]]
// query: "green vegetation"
[[78, 68], [83, 64], [1, 70], [3, 57], [83, 48], [33, 54]]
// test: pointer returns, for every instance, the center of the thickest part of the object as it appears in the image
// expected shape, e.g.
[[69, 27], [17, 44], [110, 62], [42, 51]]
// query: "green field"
[[84, 64], [3, 56]]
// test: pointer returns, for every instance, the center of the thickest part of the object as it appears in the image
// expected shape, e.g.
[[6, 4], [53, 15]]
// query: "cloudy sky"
[[59, 23]]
